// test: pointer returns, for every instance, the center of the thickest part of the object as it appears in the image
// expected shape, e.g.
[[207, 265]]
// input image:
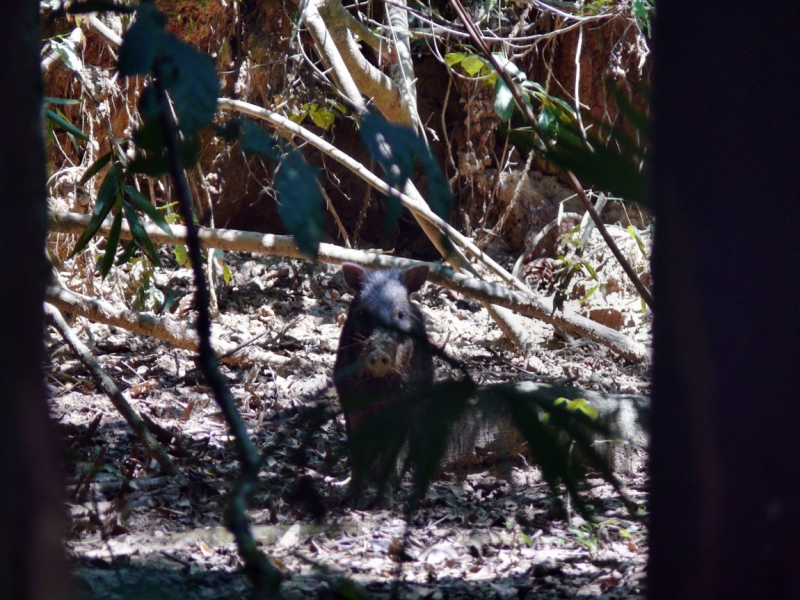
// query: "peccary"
[[384, 353]]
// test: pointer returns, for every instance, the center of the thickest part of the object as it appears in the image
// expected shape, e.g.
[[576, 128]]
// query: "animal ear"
[[414, 278], [354, 275]]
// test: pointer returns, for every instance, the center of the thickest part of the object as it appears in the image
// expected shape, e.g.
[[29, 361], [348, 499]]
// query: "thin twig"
[[266, 579], [418, 208], [111, 390]]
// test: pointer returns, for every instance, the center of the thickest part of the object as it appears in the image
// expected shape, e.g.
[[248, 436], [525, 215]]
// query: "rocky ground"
[[136, 533]]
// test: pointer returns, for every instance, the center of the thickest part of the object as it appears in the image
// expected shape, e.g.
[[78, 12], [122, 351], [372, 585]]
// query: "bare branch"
[[163, 328], [526, 304], [332, 27], [111, 390]]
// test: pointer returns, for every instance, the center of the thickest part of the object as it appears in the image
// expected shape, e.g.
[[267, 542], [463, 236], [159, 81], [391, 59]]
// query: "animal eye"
[[401, 315]]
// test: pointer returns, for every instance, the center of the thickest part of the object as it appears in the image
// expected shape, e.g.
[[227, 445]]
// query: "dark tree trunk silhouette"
[[726, 421], [31, 524]]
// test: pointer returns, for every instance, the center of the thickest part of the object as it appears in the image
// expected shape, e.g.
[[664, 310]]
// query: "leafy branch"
[[189, 78]]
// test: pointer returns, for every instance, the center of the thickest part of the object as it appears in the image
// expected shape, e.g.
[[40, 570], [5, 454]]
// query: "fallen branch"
[[111, 390], [165, 328], [417, 206], [526, 304], [623, 418]]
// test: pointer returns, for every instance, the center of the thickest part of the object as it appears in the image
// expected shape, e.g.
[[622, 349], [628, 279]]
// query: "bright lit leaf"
[[322, 117], [472, 65], [67, 54], [181, 255], [453, 58]]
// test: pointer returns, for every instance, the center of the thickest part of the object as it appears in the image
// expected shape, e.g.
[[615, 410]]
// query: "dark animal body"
[[384, 353]]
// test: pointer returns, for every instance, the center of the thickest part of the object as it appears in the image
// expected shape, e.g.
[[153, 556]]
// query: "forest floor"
[[493, 533]]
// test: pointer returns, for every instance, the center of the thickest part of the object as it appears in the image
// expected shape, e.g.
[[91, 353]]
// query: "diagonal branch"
[[478, 40], [111, 390], [331, 29], [491, 294]]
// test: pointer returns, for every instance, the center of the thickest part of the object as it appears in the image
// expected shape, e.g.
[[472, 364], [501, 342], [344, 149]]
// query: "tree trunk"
[[31, 524], [726, 423]]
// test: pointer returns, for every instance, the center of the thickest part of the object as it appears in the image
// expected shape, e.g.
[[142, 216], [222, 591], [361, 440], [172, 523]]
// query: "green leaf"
[[569, 112], [151, 156], [181, 255], [634, 233], [148, 135], [548, 121], [636, 116], [534, 86], [227, 274], [230, 131], [301, 202], [111, 246], [503, 101], [61, 101], [95, 168], [472, 65], [152, 164], [392, 146], [130, 248], [509, 67], [65, 124], [590, 293], [395, 148], [440, 198], [600, 167], [141, 43], [299, 117], [139, 234], [120, 148], [189, 151], [191, 79], [147, 208], [322, 117], [168, 302], [67, 54], [150, 105], [255, 140], [110, 192], [453, 58], [582, 405]]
